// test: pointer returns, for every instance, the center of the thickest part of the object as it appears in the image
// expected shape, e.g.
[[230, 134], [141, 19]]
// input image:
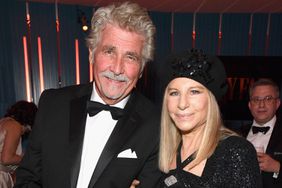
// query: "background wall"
[[174, 32]]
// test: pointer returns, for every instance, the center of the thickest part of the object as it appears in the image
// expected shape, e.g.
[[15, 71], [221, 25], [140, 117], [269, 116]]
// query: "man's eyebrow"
[[108, 47]]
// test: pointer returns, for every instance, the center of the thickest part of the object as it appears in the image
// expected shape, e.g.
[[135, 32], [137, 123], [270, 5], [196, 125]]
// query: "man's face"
[[263, 103], [117, 63]]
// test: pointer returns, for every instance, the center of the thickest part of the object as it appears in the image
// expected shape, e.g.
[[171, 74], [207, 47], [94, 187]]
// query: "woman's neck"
[[191, 142]]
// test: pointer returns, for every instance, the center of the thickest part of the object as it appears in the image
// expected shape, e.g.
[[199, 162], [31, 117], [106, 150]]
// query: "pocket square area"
[[127, 154]]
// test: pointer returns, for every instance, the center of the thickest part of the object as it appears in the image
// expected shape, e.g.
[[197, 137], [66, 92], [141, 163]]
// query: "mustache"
[[111, 75]]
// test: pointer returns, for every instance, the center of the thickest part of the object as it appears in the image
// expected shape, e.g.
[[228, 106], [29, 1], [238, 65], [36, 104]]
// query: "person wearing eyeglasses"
[[266, 131]]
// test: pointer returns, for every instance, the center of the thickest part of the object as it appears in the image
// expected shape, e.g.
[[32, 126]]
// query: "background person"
[[17, 121], [196, 150], [75, 145], [266, 130]]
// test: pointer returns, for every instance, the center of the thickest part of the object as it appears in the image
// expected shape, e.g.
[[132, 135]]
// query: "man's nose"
[[262, 102], [117, 66]]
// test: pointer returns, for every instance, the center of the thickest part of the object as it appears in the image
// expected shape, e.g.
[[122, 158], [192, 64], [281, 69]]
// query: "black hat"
[[207, 70]]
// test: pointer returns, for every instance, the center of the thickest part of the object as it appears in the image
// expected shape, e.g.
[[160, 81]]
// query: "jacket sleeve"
[[28, 174]]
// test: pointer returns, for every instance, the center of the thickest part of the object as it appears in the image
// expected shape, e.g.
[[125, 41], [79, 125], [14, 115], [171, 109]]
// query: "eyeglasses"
[[265, 100]]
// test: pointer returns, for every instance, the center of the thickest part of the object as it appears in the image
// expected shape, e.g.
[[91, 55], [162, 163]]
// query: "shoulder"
[[142, 101], [65, 94], [245, 128], [68, 90], [237, 146], [143, 111], [11, 125], [139, 101], [143, 106], [237, 156], [235, 142], [278, 124]]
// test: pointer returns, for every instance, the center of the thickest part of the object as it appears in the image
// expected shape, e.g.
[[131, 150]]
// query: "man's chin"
[[113, 96]]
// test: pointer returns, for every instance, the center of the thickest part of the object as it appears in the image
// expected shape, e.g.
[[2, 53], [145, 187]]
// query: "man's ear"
[[278, 103], [142, 71], [91, 56], [140, 76]]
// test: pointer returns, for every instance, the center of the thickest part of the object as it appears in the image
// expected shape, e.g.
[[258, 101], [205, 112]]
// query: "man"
[[266, 131], [73, 145]]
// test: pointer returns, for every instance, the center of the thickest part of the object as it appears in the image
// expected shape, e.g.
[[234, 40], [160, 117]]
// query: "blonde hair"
[[170, 136], [128, 16]]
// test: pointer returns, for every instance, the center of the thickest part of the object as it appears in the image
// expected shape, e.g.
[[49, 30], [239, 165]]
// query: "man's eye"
[[132, 58], [256, 100], [269, 98], [108, 51]]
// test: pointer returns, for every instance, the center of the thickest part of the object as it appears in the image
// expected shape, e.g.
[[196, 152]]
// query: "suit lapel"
[[76, 132], [122, 131], [275, 137]]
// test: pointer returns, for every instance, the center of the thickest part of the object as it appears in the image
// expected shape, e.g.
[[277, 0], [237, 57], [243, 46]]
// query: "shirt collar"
[[270, 123]]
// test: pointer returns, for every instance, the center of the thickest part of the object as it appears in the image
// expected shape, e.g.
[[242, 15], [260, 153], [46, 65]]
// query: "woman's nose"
[[183, 102]]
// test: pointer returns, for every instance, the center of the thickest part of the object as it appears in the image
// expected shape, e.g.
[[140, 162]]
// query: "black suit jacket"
[[274, 149], [53, 156]]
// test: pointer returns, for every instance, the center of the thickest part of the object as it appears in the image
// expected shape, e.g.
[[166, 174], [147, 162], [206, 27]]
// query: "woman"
[[196, 150], [16, 122]]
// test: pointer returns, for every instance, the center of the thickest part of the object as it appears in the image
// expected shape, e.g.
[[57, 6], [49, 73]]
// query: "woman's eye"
[[194, 92], [173, 93]]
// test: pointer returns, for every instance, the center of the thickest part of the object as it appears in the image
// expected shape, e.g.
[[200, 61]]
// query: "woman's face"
[[187, 104]]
